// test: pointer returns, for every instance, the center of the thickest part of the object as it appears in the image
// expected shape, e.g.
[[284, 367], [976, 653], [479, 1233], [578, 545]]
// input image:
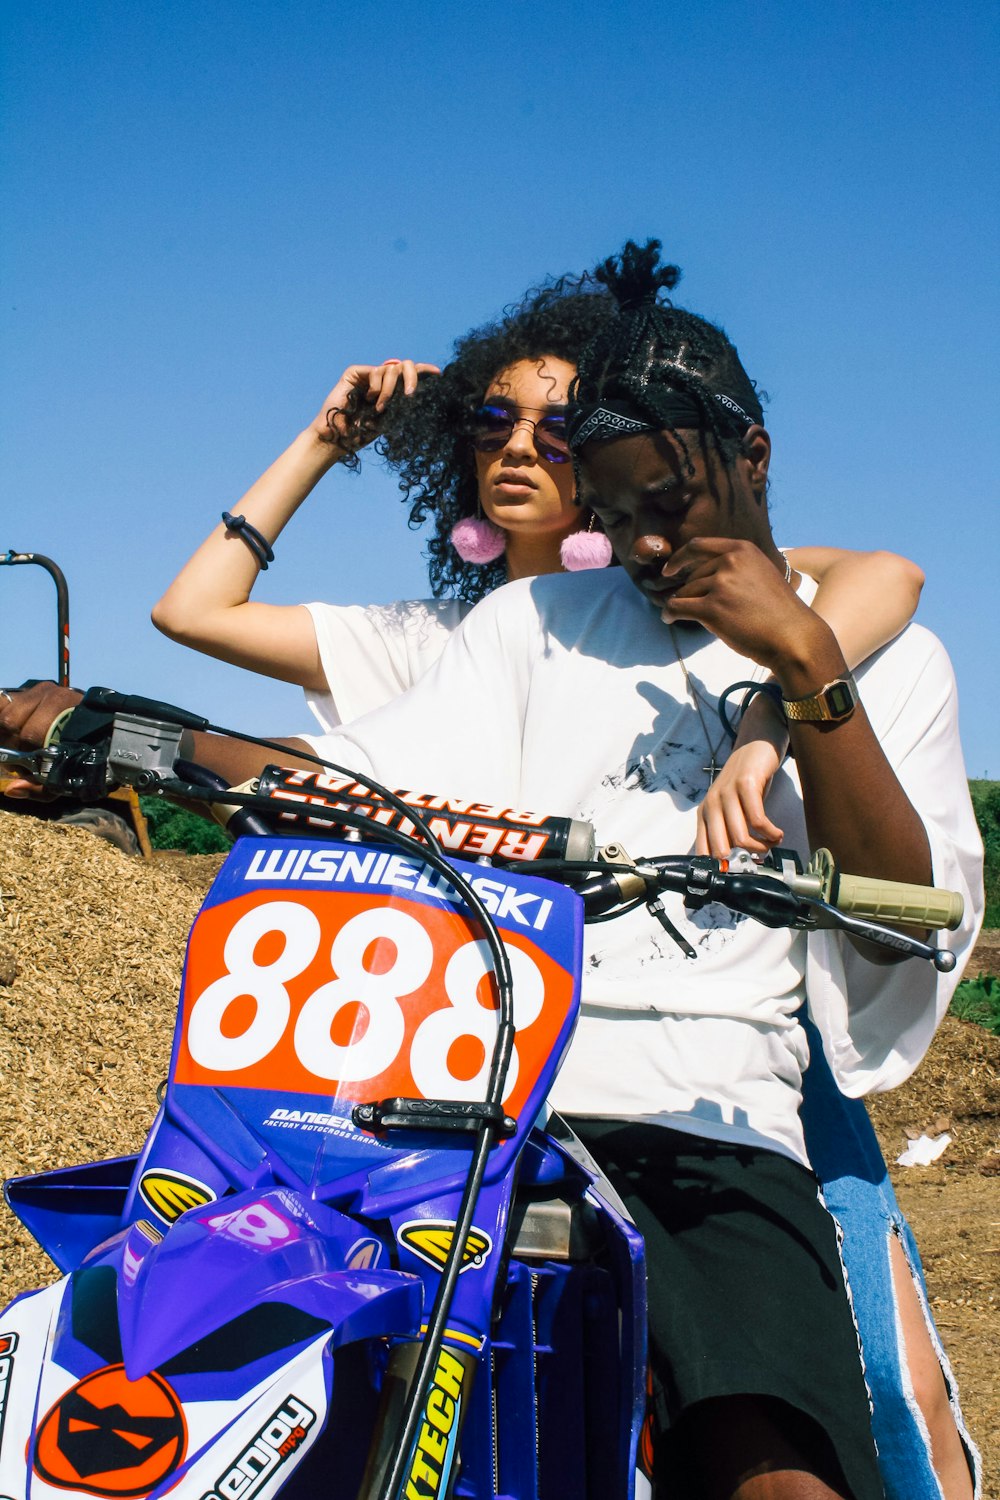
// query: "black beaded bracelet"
[[255, 540]]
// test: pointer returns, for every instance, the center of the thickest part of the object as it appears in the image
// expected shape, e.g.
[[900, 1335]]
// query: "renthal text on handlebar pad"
[[466, 828]]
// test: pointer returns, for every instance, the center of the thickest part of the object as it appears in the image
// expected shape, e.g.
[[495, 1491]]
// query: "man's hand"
[[853, 801], [738, 593], [26, 716]]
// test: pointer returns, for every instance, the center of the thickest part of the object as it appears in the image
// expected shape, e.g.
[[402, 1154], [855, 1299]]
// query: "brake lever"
[[822, 915], [80, 772], [769, 901]]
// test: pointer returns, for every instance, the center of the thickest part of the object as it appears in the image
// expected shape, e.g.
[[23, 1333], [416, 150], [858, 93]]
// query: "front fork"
[[432, 1468]]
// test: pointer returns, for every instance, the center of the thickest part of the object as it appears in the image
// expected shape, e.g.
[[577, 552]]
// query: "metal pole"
[[62, 606]]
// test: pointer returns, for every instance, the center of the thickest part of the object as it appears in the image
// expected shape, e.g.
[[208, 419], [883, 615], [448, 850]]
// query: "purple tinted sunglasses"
[[493, 425]]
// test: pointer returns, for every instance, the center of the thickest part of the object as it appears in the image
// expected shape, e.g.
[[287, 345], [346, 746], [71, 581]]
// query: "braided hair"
[[427, 439], [653, 350]]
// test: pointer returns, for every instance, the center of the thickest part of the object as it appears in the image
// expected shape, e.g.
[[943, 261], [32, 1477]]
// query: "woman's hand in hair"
[[349, 417]]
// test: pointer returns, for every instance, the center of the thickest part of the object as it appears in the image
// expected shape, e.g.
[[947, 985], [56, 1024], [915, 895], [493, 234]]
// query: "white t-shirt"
[[372, 653], [565, 695]]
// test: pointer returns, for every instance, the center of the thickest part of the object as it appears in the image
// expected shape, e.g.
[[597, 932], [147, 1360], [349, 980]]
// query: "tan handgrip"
[[894, 901], [223, 811], [890, 901]]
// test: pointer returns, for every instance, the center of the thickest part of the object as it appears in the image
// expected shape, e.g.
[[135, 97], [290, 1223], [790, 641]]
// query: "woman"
[[481, 453]]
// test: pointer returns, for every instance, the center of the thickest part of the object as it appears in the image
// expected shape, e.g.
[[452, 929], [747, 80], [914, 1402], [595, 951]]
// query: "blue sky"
[[212, 208]]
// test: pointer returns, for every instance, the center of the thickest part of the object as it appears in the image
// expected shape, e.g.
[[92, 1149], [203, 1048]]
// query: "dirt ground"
[[91, 944]]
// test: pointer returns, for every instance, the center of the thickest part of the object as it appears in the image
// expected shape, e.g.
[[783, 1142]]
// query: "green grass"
[[172, 827], [979, 1000], [986, 802]]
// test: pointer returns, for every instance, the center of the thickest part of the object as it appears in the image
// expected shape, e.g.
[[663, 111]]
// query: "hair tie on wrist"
[[255, 540], [769, 689]]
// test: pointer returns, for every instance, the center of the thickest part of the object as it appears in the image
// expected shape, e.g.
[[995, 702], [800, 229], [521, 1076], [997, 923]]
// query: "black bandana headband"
[[608, 418]]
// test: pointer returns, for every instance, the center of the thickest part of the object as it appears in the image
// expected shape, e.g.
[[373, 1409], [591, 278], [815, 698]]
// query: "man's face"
[[651, 497]]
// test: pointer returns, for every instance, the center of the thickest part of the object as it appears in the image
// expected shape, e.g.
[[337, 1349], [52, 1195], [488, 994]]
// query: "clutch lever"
[[34, 765]]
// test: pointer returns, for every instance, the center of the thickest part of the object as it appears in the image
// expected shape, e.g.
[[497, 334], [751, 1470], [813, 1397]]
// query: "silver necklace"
[[713, 768]]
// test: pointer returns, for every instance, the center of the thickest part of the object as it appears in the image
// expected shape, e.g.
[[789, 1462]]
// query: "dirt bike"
[[357, 1257]]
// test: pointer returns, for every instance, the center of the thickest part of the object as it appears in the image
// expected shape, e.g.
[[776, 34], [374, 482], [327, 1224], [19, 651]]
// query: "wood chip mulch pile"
[[91, 947]]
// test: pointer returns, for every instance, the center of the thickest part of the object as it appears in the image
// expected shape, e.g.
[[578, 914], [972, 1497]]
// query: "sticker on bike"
[[171, 1194], [338, 994], [437, 1440], [8, 1344], [278, 1440], [431, 1240], [111, 1436]]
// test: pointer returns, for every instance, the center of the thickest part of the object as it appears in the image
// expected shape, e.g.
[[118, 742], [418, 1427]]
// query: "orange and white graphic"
[[111, 1436], [327, 993]]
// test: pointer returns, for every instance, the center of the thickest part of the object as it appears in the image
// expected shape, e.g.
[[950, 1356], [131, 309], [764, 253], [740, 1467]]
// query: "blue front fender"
[[218, 1263]]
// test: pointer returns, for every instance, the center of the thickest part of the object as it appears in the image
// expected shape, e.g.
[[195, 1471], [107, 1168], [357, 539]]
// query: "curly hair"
[[428, 438], [652, 347]]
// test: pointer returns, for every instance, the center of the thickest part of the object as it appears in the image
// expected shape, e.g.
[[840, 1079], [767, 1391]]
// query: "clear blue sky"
[[212, 208]]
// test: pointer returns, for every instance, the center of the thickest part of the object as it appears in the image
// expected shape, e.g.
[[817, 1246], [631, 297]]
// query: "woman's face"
[[519, 489]]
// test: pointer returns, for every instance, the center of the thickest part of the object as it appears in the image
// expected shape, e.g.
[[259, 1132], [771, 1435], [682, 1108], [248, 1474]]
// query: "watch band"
[[833, 703]]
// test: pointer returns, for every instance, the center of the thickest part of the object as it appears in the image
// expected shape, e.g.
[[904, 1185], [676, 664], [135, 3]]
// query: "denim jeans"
[[846, 1157]]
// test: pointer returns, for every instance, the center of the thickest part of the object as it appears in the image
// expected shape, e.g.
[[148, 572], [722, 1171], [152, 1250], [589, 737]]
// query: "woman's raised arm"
[[208, 605]]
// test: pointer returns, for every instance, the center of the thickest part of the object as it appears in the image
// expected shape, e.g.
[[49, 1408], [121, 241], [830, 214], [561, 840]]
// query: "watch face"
[[840, 699]]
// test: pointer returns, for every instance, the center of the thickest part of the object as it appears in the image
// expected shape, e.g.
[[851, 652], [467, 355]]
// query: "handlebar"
[[126, 739]]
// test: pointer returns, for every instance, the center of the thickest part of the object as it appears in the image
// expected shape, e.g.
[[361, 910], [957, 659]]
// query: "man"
[[584, 694]]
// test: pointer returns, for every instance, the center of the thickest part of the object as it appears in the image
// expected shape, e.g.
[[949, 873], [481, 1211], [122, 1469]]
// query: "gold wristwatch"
[[831, 705]]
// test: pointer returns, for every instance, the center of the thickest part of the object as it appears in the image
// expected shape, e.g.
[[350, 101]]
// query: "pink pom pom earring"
[[585, 549], [477, 540]]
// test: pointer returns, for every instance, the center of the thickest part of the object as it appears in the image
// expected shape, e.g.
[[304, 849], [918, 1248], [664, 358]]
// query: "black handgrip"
[[110, 701]]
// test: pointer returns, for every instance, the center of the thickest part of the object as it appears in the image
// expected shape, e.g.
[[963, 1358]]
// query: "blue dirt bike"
[[357, 1258]]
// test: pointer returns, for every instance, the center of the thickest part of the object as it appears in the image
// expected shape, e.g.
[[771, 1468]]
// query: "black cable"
[[384, 792], [618, 911], [486, 1132]]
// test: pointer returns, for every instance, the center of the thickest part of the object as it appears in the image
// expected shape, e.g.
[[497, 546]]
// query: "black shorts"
[[745, 1285]]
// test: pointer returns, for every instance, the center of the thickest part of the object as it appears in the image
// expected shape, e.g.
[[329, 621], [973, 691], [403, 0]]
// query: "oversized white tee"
[[566, 695], [372, 653]]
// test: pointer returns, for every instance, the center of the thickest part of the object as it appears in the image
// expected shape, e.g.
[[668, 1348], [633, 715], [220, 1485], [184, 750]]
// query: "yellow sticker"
[[171, 1194], [437, 1441], [431, 1239]]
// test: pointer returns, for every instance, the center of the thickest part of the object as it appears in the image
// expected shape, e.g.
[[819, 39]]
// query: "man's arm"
[[458, 731], [854, 803], [238, 762], [27, 719]]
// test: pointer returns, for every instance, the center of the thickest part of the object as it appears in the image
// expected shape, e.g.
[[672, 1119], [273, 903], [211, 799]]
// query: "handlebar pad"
[[895, 901]]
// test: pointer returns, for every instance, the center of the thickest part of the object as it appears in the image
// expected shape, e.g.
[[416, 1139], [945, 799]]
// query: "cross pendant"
[[712, 771]]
